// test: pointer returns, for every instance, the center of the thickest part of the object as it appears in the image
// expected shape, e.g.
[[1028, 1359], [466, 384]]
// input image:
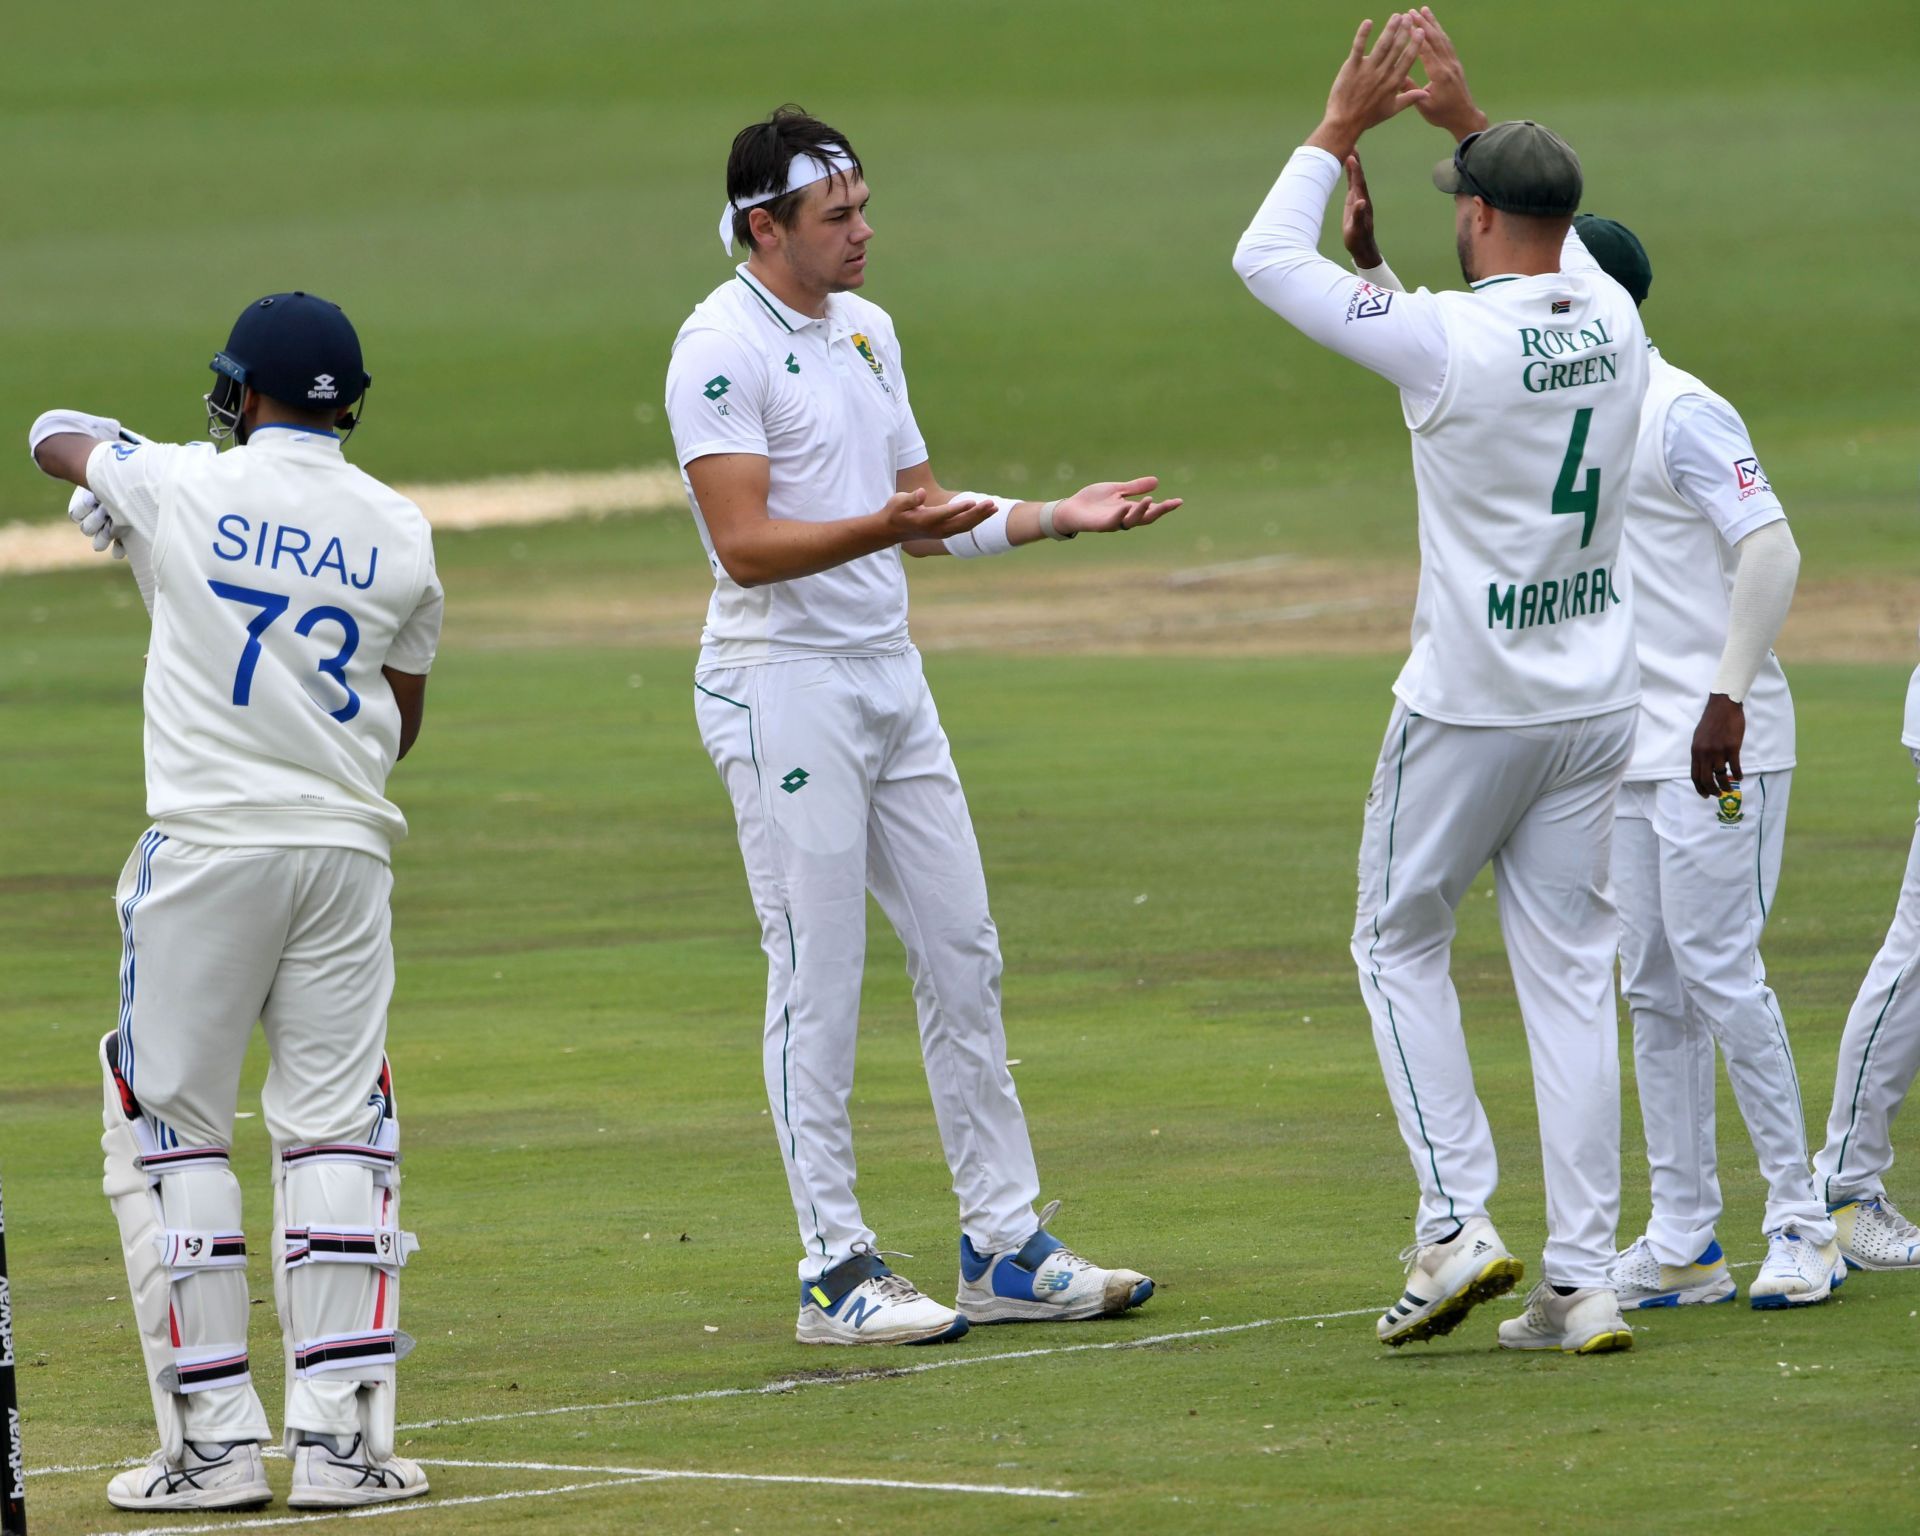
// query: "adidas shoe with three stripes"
[[1446, 1281]]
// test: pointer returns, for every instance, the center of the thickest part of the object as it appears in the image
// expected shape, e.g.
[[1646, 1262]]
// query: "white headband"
[[802, 171]]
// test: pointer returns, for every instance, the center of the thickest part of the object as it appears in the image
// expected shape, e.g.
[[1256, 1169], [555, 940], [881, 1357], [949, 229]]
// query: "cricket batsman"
[[1515, 712], [808, 477], [296, 612]]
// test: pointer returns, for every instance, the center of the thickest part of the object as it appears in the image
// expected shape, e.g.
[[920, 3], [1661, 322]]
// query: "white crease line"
[[794, 1384], [779, 1388], [374, 1511], [675, 1474]]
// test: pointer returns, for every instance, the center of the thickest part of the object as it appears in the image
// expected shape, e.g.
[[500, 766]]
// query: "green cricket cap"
[[1517, 167], [1619, 251]]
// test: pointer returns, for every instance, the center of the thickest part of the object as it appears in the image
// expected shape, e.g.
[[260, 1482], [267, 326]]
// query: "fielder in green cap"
[[1514, 716], [1703, 807]]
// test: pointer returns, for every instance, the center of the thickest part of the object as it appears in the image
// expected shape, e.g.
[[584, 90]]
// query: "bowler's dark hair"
[[761, 155]]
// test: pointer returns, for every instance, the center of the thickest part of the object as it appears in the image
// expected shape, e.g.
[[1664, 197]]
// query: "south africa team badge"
[[865, 349], [1730, 811]]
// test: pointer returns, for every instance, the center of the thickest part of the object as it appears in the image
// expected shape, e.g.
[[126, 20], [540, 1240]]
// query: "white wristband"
[[52, 423], [989, 537], [1046, 523]]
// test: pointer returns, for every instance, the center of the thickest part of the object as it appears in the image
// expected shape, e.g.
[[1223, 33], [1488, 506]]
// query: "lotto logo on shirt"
[[1368, 301], [1749, 478]]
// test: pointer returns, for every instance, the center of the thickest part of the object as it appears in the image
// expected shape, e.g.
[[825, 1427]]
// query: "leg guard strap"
[[386, 1248], [351, 1352]]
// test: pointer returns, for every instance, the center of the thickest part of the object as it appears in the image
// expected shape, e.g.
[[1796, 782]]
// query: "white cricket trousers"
[[843, 783], [1879, 1055], [1537, 801], [1693, 892], [215, 939]]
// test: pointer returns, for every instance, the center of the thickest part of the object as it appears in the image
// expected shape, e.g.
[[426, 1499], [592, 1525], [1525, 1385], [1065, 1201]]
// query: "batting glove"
[[95, 521]]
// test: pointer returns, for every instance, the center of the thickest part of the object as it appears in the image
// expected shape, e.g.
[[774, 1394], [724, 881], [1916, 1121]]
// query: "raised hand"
[[1112, 506], [907, 515], [1371, 87], [1448, 103], [1356, 218]]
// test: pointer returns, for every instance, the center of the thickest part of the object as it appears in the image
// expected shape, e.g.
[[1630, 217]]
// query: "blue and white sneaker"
[[1874, 1235], [861, 1301], [1043, 1281], [1796, 1273], [1640, 1278]]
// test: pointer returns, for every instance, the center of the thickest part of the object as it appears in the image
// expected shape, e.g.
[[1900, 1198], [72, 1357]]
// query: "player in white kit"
[[1879, 1056], [295, 616], [1516, 709], [1698, 837], [807, 476]]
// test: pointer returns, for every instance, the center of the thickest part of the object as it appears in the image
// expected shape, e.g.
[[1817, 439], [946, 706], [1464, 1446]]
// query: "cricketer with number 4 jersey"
[[1522, 614], [281, 579]]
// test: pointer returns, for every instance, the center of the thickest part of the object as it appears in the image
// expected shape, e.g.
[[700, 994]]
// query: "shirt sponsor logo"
[[717, 386], [1368, 301], [1558, 361], [1549, 602], [125, 451], [1749, 478]]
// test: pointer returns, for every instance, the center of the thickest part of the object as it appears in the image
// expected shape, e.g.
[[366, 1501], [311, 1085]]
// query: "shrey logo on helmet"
[[296, 348], [323, 388]]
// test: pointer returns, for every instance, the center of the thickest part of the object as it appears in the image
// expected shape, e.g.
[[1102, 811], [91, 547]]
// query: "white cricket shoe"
[[861, 1301], [207, 1476], [327, 1478], [1587, 1322], [1796, 1273], [1043, 1281], [1446, 1281], [1640, 1278], [1873, 1235]]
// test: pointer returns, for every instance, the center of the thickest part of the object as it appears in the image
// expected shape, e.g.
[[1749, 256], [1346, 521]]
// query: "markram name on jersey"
[[281, 581]]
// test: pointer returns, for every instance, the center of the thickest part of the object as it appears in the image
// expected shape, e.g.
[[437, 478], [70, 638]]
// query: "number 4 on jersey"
[[1586, 499]]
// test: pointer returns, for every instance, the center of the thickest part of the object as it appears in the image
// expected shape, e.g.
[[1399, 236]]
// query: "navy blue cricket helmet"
[[295, 348]]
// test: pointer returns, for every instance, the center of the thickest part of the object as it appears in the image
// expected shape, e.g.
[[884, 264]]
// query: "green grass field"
[[517, 207]]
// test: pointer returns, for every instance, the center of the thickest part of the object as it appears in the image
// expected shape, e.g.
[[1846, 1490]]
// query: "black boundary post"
[[13, 1510]]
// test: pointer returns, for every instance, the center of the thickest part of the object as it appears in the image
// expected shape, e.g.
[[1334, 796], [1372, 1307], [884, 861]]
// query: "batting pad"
[[338, 1253], [178, 1209]]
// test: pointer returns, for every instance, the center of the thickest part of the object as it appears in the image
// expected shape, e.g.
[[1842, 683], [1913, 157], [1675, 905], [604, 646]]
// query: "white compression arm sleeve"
[[1762, 594], [52, 423], [1401, 337]]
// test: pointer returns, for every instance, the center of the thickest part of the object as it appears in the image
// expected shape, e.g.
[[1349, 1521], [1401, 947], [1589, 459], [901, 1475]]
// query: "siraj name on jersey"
[[267, 544], [1566, 359]]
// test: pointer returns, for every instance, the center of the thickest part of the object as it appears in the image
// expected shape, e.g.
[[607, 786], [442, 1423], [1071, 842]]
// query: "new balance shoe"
[[335, 1472], [1640, 1278], [1043, 1281], [1873, 1235], [1796, 1273], [1446, 1281], [1587, 1322], [861, 1301], [207, 1476]]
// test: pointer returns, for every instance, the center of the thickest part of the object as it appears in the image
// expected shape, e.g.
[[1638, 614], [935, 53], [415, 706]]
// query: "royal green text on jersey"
[[1565, 359]]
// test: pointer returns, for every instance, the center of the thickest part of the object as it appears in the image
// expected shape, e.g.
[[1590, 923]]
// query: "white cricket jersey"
[[283, 580], [1910, 724], [1696, 491], [1523, 397], [825, 403]]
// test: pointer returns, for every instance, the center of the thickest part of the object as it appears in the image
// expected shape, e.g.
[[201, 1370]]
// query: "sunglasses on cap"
[[1466, 176]]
